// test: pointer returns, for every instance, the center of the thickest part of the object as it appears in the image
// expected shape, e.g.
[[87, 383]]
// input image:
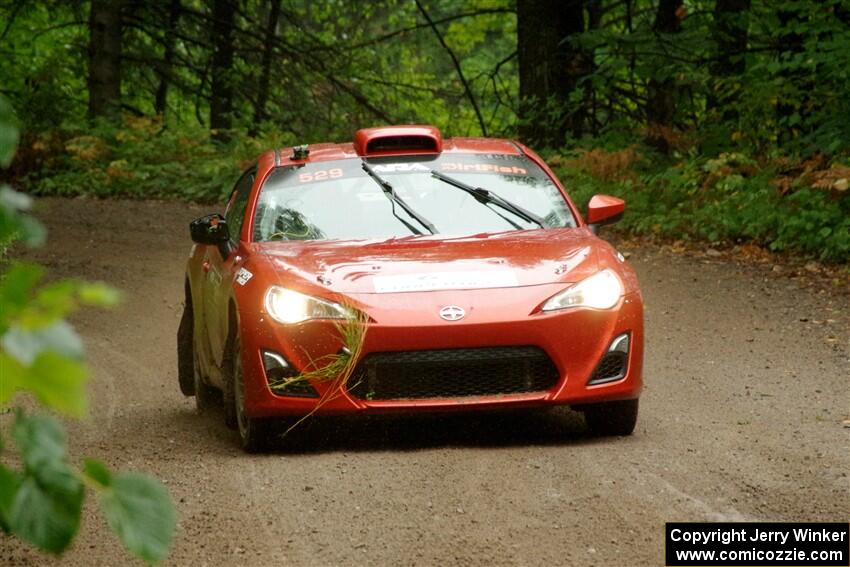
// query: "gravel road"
[[747, 387]]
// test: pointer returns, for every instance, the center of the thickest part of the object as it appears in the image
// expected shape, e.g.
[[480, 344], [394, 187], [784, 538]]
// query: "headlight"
[[287, 306], [602, 290]]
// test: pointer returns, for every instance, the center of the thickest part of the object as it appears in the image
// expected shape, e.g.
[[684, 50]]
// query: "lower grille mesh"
[[453, 373], [611, 367]]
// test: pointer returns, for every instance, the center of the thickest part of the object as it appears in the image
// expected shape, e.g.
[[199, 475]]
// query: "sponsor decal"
[[480, 163], [444, 280], [242, 276], [400, 167], [484, 168]]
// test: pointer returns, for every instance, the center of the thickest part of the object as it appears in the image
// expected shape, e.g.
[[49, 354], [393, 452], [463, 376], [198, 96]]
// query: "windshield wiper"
[[395, 198], [485, 196]]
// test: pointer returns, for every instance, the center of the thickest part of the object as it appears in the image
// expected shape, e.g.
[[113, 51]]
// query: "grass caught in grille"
[[334, 368]]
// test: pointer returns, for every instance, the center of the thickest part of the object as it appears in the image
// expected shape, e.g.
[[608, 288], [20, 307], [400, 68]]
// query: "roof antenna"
[[300, 152]]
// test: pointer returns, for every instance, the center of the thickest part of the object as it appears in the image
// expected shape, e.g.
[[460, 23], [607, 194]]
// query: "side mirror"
[[210, 230], [604, 209]]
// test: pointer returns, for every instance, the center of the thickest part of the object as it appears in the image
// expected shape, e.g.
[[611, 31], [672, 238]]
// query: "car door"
[[221, 269]]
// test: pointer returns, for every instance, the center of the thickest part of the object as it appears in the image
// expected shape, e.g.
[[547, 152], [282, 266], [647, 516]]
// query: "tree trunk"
[[550, 68], [265, 67], [221, 96], [793, 97], [730, 34], [594, 20], [661, 102], [843, 14], [165, 67], [104, 79]]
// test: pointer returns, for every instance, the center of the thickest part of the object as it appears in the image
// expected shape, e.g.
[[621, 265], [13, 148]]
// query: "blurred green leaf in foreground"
[[41, 354]]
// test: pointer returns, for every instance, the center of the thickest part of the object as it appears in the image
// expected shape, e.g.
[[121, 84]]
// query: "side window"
[[235, 213]]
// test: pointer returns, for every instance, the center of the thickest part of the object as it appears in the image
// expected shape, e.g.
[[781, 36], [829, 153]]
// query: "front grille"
[[611, 367], [452, 373]]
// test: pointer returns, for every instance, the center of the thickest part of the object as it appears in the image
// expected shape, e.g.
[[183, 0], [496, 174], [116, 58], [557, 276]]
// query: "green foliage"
[[8, 135], [328, 58], [722, 200], [145, 160], [12, 224], [138, 509], [782, 94], [42, 503], [40, 353], [785, 89], [46, 506], [42, 73], [806, 79]]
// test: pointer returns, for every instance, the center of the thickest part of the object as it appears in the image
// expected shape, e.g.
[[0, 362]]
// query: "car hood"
[[508, 259]]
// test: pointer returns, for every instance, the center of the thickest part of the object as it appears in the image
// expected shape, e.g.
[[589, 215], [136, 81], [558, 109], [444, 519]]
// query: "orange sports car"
[[404, 272]]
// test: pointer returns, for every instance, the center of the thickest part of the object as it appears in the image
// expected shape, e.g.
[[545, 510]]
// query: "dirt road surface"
[[748, 383]]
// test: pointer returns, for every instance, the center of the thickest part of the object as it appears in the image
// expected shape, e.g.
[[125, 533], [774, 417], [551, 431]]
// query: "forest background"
[[719, 121]]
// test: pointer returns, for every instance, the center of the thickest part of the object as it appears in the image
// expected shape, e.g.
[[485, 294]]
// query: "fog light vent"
[[620, 344], [614, 362], [279, 374]]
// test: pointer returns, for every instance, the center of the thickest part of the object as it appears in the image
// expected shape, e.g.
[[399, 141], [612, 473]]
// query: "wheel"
[[205, 395], [254, 433], [185, 351], [611, 418], [228, 393], [188, 371]]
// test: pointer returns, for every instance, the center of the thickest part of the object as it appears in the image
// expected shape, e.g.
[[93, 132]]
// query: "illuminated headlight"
[[602, 290], [287, 306]]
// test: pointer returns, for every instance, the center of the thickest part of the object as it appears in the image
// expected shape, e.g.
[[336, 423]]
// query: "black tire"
[[611, 418], [228, 393], [206, 396], [254, 433], [185, 351]]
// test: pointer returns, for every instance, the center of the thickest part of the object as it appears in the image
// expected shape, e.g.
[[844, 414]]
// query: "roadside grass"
[[334, 368]]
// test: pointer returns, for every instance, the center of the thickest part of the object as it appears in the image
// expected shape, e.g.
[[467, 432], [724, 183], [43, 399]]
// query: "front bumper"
[[574, 339]]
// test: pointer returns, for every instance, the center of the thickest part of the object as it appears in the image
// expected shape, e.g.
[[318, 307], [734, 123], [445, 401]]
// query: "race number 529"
[[321, 175]]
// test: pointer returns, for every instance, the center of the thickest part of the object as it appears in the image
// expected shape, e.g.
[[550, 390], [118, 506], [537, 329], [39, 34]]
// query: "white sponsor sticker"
[[242, 276], [399, 167], [444, 280]]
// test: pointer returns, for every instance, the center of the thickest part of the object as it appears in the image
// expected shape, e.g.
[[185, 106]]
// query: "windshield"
[[338, 200]]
